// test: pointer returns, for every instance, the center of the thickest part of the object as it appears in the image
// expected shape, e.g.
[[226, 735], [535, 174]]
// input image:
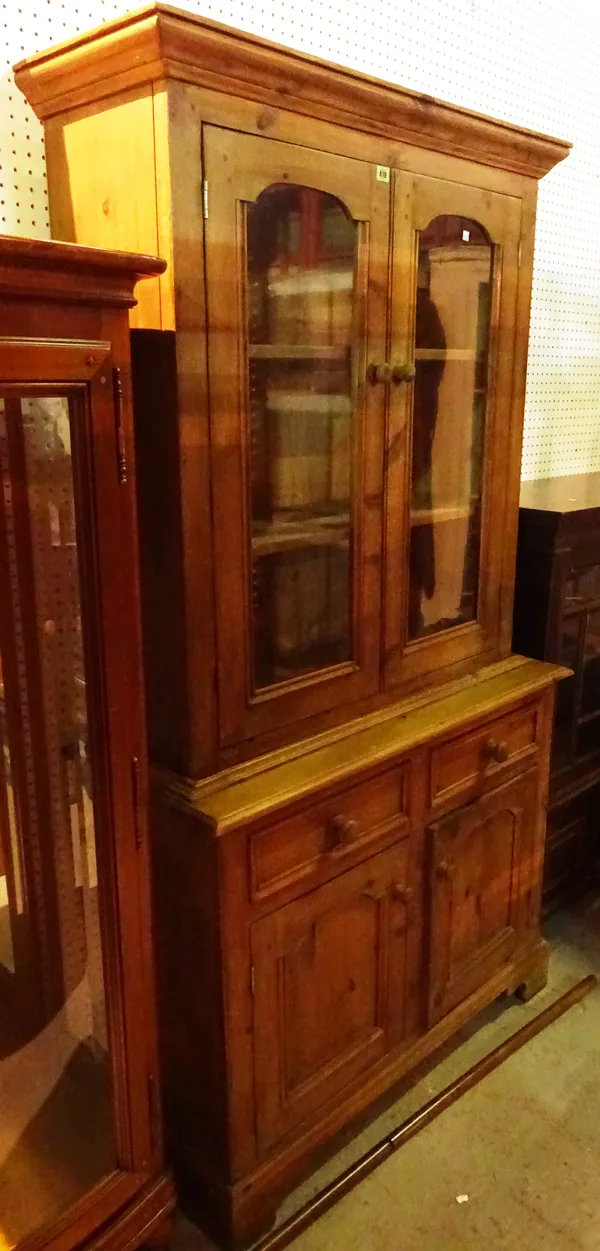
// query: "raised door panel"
[[296, 262], [479, 883], [331, 975], [454, 302]]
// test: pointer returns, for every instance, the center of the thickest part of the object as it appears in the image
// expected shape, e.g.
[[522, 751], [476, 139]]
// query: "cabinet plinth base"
[[147, 1221], [536, 979]]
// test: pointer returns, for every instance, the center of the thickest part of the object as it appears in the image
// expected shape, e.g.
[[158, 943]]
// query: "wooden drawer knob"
[[341, 831], [495, 750], [445, 870], [403, 894]]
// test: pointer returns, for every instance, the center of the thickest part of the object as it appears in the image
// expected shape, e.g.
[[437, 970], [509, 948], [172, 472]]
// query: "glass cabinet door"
[[577, 715], [297, 485], [57, 1132], [68, 1139], [453, 323]]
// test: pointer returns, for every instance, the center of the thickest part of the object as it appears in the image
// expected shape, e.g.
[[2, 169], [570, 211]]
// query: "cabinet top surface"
[[570, 494], [251, 791], [45, 268], [158, 41]]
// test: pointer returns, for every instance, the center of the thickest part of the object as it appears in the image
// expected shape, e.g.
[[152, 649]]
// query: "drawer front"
[[482, 757], [315, 843]]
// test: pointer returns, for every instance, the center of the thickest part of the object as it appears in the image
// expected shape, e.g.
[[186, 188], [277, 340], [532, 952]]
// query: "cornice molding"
[[158, 42]]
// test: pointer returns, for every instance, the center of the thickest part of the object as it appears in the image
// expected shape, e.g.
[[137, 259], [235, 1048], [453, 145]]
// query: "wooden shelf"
[[298, 351], [445, 354], [287, 536], [428, 516]]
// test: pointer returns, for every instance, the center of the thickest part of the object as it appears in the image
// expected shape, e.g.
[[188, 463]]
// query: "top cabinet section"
[[329, 442]]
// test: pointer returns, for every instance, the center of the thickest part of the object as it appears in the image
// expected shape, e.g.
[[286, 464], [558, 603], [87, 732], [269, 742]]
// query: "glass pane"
[[451, 358], [588, 737], [56, 1127], [301, 281], [590, 686], [566, 691], [583, 584]]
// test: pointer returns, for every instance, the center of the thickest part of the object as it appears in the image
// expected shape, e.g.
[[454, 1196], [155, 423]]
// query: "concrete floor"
[[514, 1165]]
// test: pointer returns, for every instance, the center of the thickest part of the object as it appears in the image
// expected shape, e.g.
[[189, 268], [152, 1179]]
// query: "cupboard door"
[[481, 866], [296, 261], [332, 973], [75, 1130], [453, 327]]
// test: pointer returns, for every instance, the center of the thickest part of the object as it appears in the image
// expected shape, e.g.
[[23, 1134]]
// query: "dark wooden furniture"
[[557, 617], [80, 1134], [350, 765]]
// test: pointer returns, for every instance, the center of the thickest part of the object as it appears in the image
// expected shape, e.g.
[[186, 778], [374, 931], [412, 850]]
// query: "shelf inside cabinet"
[[297, 351], [285, 536], [434, 516], [445, 354]]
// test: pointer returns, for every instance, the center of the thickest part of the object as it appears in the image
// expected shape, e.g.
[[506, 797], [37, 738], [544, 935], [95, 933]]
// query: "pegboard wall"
[[532, 62]]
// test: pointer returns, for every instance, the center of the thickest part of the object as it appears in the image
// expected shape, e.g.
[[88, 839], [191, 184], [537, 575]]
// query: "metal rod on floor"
[[350, 1178]]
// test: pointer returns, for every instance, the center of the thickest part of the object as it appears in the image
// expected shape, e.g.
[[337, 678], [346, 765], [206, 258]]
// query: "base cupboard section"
[[480, 866], [331, 972]]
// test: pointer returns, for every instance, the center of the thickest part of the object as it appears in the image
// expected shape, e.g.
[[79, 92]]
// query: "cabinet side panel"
[[102, 184], [185, 139], [190, 994], [154, 378], [515, 445]]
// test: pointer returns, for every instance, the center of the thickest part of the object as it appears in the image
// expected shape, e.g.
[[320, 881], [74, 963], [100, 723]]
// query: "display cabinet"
[[557, 617], [350, 766], [80, 1134]]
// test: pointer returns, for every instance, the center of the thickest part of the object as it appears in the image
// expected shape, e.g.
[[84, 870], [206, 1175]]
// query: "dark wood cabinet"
[[557, 617], [80, 1135], [328, 385]]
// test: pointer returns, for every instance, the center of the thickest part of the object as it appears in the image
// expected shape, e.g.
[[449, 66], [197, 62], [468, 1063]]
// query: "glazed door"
[[75, 1131], [296, 256], [481, 866], [332, 974], [453, 326], [577, 724]]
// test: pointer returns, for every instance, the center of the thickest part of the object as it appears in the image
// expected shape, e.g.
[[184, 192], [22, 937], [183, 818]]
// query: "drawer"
[[313, 843], [496, 749]]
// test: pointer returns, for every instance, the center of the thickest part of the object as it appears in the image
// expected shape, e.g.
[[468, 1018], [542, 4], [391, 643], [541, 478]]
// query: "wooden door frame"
[[244, 714], [83, 371]]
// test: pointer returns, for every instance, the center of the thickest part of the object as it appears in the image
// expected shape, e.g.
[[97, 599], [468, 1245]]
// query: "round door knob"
[[403, 373], [445, 870], [403, 894], [342, 830], [495, 750], [379, 373]]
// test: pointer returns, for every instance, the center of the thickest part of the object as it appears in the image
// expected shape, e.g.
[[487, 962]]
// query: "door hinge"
[[252, 980], [135, 790], [119, 431], [205, 198]]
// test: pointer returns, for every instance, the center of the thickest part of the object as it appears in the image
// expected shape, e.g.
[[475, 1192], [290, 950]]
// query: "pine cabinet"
[[80, 1135], [350, 766]]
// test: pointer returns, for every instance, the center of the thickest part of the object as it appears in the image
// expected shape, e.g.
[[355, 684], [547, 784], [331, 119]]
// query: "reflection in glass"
[[566, 691], [301, 249], [56, 1130], [452, 335]]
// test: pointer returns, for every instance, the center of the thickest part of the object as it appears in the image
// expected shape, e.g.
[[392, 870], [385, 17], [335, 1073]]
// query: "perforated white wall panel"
[[533, 62]]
